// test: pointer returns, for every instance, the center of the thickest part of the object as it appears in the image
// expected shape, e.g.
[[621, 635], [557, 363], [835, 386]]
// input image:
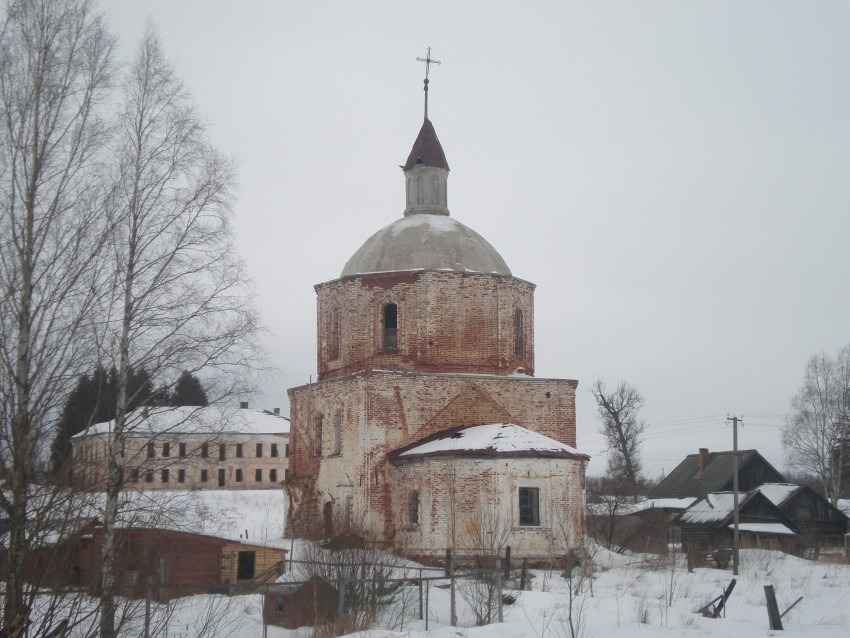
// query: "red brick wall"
[[447, 322]]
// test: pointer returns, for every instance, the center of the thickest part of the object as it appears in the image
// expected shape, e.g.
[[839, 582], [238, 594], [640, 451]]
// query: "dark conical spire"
[[426, 150]]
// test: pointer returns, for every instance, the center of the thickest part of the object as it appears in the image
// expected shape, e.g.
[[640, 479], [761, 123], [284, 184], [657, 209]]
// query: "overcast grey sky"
[[672, 175]]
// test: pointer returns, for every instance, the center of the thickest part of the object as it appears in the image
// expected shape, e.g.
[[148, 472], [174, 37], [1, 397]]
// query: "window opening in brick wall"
[[274, 450], [529, 506], [164, 476], [328, 518], [181, 476], [238, 450], [205, 450], [166, 449], [336, 432], [222, 452], [204, 476], [317, 434], [390, 339], [221, 477], [273, 476], [519, 334], [238, 477], [181, 452], [258, 476], [134, 475], [150, 449], [148, 477], [413, 507], [259, 450]]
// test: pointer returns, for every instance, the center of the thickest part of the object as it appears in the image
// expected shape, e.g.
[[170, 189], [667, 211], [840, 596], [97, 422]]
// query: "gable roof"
[[717, 509], [690, 479]]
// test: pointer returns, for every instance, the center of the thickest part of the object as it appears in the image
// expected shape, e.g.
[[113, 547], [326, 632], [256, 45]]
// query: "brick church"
[[426, 428]]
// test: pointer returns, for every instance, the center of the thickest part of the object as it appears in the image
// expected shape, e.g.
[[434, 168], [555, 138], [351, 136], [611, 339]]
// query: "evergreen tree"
[[188, 391]]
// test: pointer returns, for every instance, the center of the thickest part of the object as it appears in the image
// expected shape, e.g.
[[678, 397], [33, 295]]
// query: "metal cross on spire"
[[428, 62]]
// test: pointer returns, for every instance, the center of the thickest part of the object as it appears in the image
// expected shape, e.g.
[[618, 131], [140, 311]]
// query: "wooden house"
[[814, 518], [707, 472], [707, 525]]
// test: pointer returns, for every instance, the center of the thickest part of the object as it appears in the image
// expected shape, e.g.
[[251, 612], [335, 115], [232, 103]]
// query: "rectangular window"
[[238, 450], [205, 450], [166, 449], [238, 476], [274, 449], [164, 476], [148, 477], [150, 450], [204, 476], [334, 350], [279, 605], [529, 506], [221, 477], [182, 451], [258, 476], [414, 507], [259, 450], [273, 476], [222, 453], [134, 475], [181, 476], [390, 326]]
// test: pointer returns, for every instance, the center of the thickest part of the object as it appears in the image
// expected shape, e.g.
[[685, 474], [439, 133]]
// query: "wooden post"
[[508, 561], [498, 570], [524, 575], [772, 608]]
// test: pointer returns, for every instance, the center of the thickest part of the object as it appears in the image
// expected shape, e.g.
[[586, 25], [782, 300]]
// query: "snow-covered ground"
[[631, 596]]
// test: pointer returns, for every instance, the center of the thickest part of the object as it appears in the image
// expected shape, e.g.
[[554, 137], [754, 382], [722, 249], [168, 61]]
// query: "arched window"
[[328, 516], [336, 432], [317, 433], [519, 335], [390, 321]]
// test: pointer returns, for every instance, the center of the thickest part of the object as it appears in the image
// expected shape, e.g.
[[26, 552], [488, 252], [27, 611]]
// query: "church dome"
[[426, 242], [426, 238]]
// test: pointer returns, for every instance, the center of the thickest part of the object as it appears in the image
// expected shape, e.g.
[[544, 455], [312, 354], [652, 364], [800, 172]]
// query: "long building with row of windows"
[[190, 447]]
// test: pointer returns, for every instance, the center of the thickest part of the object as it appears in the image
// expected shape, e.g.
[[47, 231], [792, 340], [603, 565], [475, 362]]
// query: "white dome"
[[426, 242]]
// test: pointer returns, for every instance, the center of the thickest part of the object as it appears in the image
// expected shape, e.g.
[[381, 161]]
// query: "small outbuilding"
[[300, 604]]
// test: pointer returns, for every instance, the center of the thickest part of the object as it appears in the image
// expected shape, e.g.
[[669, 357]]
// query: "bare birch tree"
[[816, 436], [55, 71], [182, 299], [618, 411]]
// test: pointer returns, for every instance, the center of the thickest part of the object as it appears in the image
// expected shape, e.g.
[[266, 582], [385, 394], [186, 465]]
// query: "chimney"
[[277, 411], [243, 405], [703, 458]]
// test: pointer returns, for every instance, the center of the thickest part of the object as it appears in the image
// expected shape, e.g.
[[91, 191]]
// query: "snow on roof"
[[491, 439], [210, 419], [765, 528], [713, 508], [778, 493], [666, 503]]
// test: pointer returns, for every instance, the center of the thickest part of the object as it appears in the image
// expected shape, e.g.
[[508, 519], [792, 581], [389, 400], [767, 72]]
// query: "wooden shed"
[[172, 563], [301, 604]]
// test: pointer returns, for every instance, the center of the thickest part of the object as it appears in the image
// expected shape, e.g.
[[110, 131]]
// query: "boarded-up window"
[[390, 321], [529, 506], [245, 565]]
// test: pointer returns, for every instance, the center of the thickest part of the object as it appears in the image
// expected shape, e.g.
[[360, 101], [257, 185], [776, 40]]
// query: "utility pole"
[[736, 539]]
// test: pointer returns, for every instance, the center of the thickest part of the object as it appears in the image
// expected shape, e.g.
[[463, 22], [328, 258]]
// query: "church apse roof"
[[489, 440]]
